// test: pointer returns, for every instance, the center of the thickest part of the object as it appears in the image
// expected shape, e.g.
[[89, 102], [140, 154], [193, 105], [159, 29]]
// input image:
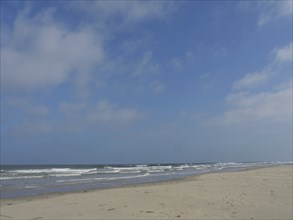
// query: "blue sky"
[[145, 81]]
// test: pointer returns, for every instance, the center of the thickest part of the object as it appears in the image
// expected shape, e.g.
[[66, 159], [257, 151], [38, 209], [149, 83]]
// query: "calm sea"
[[21, 181]]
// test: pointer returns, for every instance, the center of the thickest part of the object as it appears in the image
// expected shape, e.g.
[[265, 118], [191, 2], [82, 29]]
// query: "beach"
[[262, 193]]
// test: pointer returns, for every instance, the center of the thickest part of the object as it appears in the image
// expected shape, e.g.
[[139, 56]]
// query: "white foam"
[[131, 171], [30, 187], [142, 165], [107, 171], [161, 167], [64, 174], [156, 171], [19, 177], [138, 169], [54, 171]]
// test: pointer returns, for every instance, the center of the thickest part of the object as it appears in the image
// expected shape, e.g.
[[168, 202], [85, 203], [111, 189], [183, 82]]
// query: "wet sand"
[[264, 193]]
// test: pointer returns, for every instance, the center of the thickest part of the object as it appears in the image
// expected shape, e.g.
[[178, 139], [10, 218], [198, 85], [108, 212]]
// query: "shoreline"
[[256, 193], [170, 181]]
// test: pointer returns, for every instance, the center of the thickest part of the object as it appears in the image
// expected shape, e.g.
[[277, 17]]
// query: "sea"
[[33, 180]]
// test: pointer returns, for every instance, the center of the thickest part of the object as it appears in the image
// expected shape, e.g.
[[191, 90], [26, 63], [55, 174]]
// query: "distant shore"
[[262, 193]]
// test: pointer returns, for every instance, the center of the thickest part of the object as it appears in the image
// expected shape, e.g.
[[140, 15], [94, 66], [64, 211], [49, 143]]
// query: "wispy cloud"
[[131, 46], [74, 117], [251, 80], [146, 65], [284, 54], [281, 55], [104, 111], [101, 113], [267, 11], [272, 10], [117, 15], [246, 107], [274, 104]]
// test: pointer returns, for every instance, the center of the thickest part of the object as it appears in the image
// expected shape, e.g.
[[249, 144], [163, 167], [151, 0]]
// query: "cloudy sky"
[[145, 81]]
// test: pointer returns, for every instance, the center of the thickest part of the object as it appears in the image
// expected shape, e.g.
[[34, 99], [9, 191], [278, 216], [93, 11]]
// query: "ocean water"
[[21, 181]]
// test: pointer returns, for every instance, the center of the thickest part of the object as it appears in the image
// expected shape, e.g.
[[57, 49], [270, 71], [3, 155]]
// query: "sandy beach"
[[264, 193]]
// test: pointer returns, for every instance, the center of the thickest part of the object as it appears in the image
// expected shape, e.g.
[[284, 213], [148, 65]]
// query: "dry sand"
[[264, 193]]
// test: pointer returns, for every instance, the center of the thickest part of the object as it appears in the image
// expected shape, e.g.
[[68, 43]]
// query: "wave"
[[136, 169], [101, 179], [19, 177], [125, 169], [39, 173], [30, 187], [54, 170]]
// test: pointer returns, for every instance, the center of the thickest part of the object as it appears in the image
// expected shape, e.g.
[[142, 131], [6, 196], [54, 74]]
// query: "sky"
[[103, 82]]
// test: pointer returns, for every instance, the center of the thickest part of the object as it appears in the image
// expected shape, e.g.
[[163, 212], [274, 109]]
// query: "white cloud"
[[267, 11], [284, 54], [103, 112], [273, 10], [146, 66], [42, 53], [129, 46], [119, 14], [251, 80], [281, 56], [269, 106]]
